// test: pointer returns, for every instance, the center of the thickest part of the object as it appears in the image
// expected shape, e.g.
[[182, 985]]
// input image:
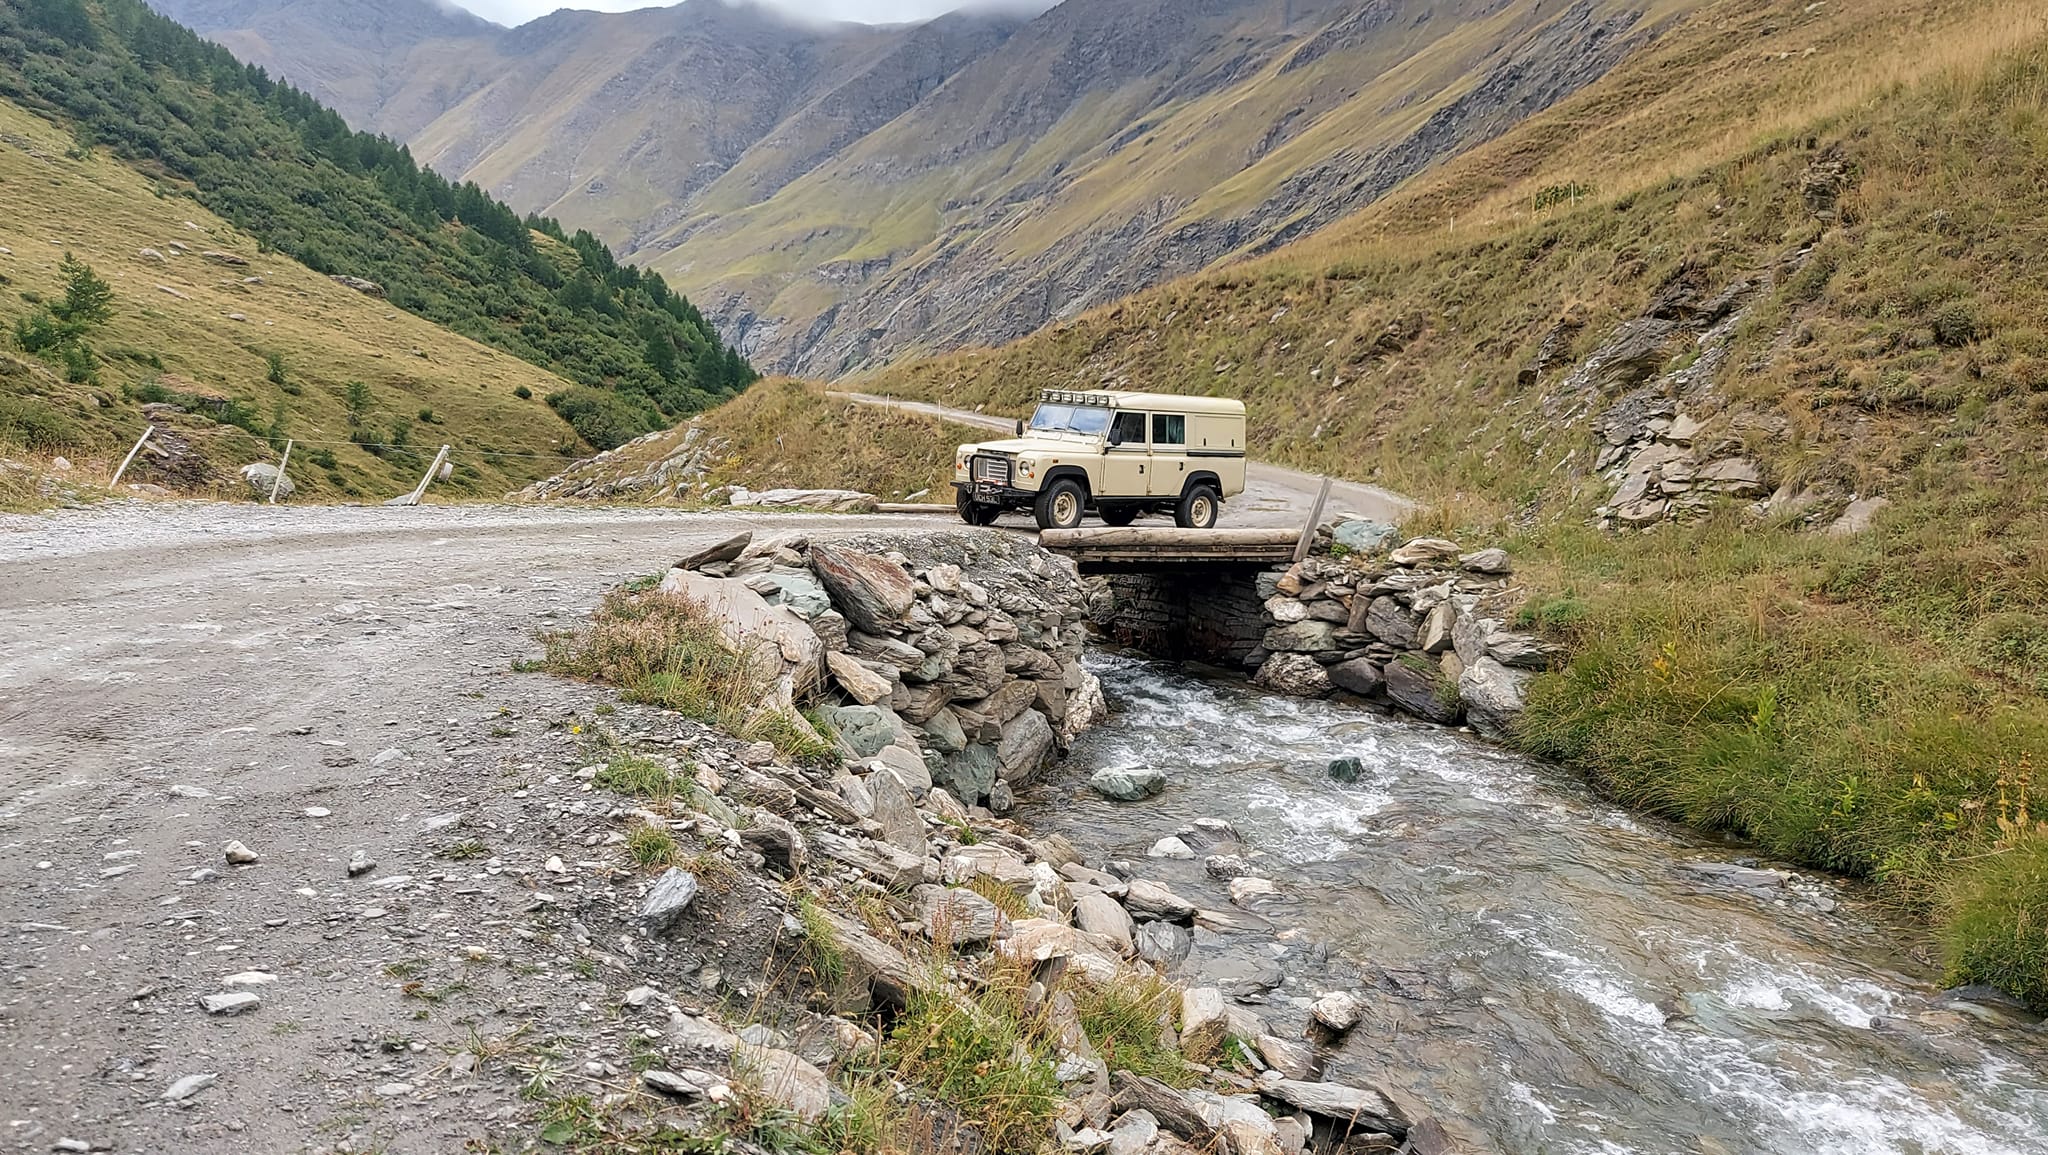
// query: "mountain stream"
[[1544, 973]]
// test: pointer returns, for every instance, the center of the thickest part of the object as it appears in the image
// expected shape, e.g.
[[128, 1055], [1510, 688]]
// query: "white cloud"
[[511, 12]]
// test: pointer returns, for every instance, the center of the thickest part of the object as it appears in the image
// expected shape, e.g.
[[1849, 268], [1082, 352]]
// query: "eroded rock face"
[[1494, 696], [1421, 690]]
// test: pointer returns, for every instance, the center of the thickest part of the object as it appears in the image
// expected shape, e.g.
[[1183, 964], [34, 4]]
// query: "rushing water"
[[1544, 972]]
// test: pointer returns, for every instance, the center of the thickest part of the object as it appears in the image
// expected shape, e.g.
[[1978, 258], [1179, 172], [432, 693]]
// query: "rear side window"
[[1169, 429], [1129, 429]]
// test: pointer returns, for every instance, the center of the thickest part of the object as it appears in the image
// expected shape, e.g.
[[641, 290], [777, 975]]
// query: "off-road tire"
[[1061, 505], [973, 512], [1199, 508]]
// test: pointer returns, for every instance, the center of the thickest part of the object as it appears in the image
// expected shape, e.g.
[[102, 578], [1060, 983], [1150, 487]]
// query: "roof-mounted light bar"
[[1071, 397]]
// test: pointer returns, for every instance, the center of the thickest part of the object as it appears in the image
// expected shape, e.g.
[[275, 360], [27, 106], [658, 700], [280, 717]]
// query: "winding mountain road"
[[1274, 495]]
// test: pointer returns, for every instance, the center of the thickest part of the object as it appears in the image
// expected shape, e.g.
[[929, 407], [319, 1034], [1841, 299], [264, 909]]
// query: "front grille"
[[995, 469]]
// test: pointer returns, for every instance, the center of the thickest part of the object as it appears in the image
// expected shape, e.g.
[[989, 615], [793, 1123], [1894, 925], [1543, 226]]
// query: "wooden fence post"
[[1315, 518], [279, 483], [420, 490], [130, 459]]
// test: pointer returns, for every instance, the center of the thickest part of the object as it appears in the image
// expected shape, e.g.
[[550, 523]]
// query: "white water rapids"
[[1545, 974]]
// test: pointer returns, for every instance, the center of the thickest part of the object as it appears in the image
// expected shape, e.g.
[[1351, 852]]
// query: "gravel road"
[[312, 682], [1273, 496]]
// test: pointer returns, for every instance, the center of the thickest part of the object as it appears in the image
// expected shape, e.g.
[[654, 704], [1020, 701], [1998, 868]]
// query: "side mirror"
[[1115, 438], [1020, 428]]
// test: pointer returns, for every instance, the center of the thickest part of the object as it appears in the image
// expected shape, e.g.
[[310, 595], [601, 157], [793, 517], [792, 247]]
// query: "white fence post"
[[130, 459], [287, 460], [420, 490], [1315, 517]]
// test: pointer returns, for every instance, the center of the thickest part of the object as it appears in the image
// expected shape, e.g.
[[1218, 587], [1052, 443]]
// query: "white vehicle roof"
[[1151, 402]]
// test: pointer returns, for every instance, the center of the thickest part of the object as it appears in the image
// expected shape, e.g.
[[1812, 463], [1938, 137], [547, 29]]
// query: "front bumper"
[[989, 493]]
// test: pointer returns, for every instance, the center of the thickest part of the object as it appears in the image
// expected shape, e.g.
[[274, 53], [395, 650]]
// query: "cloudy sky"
[[872, 11]]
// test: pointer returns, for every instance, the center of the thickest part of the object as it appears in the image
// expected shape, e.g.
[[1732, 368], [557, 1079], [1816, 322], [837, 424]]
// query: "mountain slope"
[[192, 338], [1740, 351], [274, 162], [844, 195]]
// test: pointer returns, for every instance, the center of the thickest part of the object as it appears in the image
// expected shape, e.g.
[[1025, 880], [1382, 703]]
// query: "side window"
[[1129, 429], [1169, 429]]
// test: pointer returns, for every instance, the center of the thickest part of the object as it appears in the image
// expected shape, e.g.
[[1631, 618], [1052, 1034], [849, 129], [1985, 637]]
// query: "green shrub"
[[604, 419], [36, 425], [1956, 324], [522, 392], [1996, 928]]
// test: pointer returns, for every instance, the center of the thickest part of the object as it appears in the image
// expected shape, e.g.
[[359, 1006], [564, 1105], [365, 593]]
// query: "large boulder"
[[770, 635], [1028, 741], [864, 729], [1359, 676], [1362, 536], [1297, 675], [261, 476], [873, 592], [1494, 696], [1420, 689]]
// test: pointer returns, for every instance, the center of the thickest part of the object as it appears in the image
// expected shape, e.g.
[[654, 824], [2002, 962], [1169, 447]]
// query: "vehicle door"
[[1169, 470], [1126, 457]]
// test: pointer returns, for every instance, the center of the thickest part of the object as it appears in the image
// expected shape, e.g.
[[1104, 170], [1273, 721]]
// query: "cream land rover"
[[1118, 454]]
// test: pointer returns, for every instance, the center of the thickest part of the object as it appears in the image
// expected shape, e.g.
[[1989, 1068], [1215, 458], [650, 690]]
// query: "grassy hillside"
[[292, 175], [1871, 703], [781, 434], [190, 330]]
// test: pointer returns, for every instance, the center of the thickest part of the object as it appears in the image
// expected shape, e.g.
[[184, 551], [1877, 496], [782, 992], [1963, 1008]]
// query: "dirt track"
[[1273, 496], [174, 676]]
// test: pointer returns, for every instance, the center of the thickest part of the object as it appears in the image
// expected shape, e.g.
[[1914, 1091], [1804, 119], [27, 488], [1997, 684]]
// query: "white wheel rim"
[[1064, 508], [1203, 511]]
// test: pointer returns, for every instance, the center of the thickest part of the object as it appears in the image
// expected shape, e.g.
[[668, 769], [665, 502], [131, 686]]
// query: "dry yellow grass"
[[194, 325]]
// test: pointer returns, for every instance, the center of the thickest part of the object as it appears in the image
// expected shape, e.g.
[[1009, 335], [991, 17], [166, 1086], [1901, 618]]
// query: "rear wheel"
[[1061, 505], [1119, 516], [973, 512], [1199, 508]]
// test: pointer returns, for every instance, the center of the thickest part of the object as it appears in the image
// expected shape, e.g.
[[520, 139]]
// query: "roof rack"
[[1070, 397]]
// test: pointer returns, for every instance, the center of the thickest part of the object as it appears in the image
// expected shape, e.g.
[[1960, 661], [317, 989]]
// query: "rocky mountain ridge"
[[840, 195]]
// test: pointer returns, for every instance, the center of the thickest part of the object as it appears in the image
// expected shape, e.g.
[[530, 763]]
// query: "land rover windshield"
[[1083, 419]]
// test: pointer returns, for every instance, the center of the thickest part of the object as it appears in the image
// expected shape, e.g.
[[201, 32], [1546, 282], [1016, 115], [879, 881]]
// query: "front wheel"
[[1198, 508], [1061, 504], [973, 512]]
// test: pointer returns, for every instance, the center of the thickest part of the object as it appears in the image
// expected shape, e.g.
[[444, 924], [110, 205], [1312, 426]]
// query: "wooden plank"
[[1315, 517]]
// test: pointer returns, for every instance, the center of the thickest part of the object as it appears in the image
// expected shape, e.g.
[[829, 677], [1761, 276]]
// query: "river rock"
[[728, 550], [902, 827], [1338, 1010], [1170, 847], [1290, 1058], [1521, 651], [860, 683], [1307, 637], [1247, 890], [1204, 1022], [1391, 622], [670, 897], [960, 917], [1364, 536], [1352, 1105], [1099, 914], [1420, 690], [1163, 944], [1360, 676], [1285, 610], [1028, 741], [1494, 696], [874, 593], [1150, 899], [865, 730], [785, 1080], [1297, 675], [1346, 770], [670, 1083], [239, 854], [1493, 562], [1424, 551]]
